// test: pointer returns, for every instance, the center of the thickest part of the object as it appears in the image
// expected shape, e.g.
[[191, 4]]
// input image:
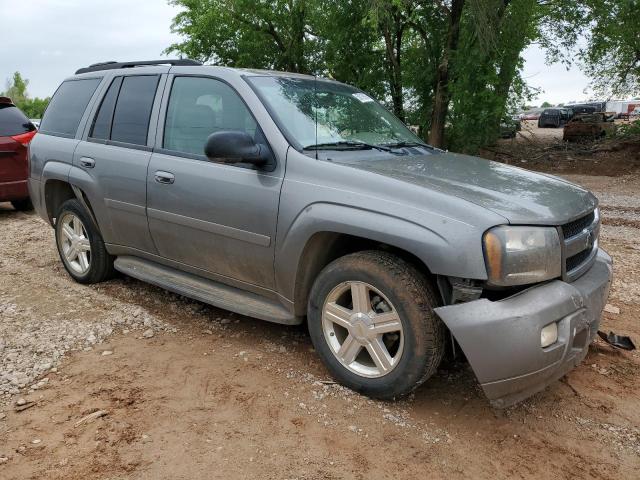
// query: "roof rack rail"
[[96, 67]]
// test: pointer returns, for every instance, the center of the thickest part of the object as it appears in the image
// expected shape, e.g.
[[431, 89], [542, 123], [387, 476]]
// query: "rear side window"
[[67, 106], [102, 125], [133, 109], [13, 121]]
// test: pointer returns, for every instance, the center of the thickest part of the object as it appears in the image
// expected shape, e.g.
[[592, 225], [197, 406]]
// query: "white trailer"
[[616, 106], [622, 107]]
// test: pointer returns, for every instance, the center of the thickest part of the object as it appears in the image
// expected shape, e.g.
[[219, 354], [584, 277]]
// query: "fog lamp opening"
[[549, 335]]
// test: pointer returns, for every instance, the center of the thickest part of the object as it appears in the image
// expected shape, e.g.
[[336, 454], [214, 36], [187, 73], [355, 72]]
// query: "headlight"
[[520, 255]]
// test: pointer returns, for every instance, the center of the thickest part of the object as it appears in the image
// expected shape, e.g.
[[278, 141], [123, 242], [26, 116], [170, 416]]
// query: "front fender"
[[432, 248]]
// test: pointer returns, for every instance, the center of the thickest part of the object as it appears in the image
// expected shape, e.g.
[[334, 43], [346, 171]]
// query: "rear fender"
[[84, 183]]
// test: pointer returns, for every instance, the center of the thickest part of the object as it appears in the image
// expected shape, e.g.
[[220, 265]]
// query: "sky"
[[48, 40]]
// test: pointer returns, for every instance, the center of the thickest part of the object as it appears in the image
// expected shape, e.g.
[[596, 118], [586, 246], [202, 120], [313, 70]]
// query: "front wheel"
[[371, 320], [80, 245]]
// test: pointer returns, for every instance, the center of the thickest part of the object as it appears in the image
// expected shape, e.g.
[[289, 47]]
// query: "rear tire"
[[80, 245], [348, 340], [23, 205]]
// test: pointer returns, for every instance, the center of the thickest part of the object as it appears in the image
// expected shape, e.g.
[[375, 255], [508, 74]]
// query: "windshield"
[[345, 116]]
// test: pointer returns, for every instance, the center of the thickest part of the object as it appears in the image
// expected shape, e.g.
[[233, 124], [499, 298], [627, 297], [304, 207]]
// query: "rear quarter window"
[[67, 106], [13, 121]]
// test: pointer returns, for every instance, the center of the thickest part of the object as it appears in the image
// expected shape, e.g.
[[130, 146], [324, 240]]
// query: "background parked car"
[[553, 117], [581, 109], [566, 114], [16, 131], [531, 115]]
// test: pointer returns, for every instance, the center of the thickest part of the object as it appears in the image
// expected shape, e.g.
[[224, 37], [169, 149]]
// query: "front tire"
[[80, 245], [371, 320]]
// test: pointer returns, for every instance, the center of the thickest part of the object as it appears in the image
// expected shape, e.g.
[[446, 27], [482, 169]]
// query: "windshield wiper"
[[402, 144], [346, 145]]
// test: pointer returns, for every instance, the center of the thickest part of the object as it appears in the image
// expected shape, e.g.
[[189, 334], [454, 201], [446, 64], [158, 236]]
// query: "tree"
[[612, 55], [349, 45], [16, 90], [442, 98], [601, 36], [453, 67], [389, 17], [546, 105], [247, 33]]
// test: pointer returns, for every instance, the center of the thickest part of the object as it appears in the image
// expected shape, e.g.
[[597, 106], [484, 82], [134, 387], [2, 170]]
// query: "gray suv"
[[288, 197]]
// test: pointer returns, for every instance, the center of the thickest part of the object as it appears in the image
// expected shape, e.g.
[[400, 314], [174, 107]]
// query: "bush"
[[631, 129]]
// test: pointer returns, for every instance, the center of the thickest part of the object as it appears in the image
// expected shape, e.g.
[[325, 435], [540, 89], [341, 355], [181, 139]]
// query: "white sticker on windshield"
[[362, 97]]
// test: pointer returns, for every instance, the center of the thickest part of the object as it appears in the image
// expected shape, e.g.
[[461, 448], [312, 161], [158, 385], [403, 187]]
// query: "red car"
[[16, 131]]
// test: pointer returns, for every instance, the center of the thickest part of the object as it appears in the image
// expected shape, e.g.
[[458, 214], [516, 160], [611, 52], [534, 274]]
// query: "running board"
[[207, 291]]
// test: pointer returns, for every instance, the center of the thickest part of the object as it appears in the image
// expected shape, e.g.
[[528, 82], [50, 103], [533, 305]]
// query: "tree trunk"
[[295, 54], [442, 95], [392, 28]]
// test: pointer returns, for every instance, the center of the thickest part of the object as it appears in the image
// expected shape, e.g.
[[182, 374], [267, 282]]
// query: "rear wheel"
[[23, 205], [371, 321], [80, 245]]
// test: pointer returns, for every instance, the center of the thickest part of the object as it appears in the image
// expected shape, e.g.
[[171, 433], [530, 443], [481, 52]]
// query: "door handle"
[[165, 178], [87, 162]]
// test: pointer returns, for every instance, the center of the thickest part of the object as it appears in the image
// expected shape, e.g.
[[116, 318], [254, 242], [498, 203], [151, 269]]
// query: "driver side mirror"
[[232, 146]]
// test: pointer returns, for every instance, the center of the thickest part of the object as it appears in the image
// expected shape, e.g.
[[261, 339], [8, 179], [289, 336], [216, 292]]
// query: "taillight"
[[24, 138]]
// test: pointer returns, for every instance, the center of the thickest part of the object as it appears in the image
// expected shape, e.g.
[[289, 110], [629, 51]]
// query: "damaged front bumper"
[[501, 339]]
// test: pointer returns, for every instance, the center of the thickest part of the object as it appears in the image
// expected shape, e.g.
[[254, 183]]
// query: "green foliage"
[[273, 34], [546, 105], [16, 90], [612, 56], [33, 107], [600, 35], [397, 49], [488, 87], [628, 130], [349, 45]]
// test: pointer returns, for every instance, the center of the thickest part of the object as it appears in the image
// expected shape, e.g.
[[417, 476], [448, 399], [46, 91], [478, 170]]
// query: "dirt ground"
[[543, 149], [203, 393]]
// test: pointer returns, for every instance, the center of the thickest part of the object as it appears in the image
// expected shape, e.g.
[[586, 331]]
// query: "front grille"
[[580, 238], [576, 260], [572, 229]]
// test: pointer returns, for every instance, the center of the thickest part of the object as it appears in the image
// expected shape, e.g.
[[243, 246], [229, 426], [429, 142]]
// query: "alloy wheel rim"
[[363, 329], [75, 244]]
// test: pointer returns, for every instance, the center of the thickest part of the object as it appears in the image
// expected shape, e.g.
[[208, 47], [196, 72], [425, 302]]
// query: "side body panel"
[[116, 189], [114, 180], [50, 158], [215, 217]]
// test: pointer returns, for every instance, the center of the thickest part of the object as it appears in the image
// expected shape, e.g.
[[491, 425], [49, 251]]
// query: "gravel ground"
[[167, 375], [34, 339]]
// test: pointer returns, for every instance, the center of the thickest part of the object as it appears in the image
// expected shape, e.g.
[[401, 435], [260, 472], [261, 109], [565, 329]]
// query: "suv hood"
[[520, 196]]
